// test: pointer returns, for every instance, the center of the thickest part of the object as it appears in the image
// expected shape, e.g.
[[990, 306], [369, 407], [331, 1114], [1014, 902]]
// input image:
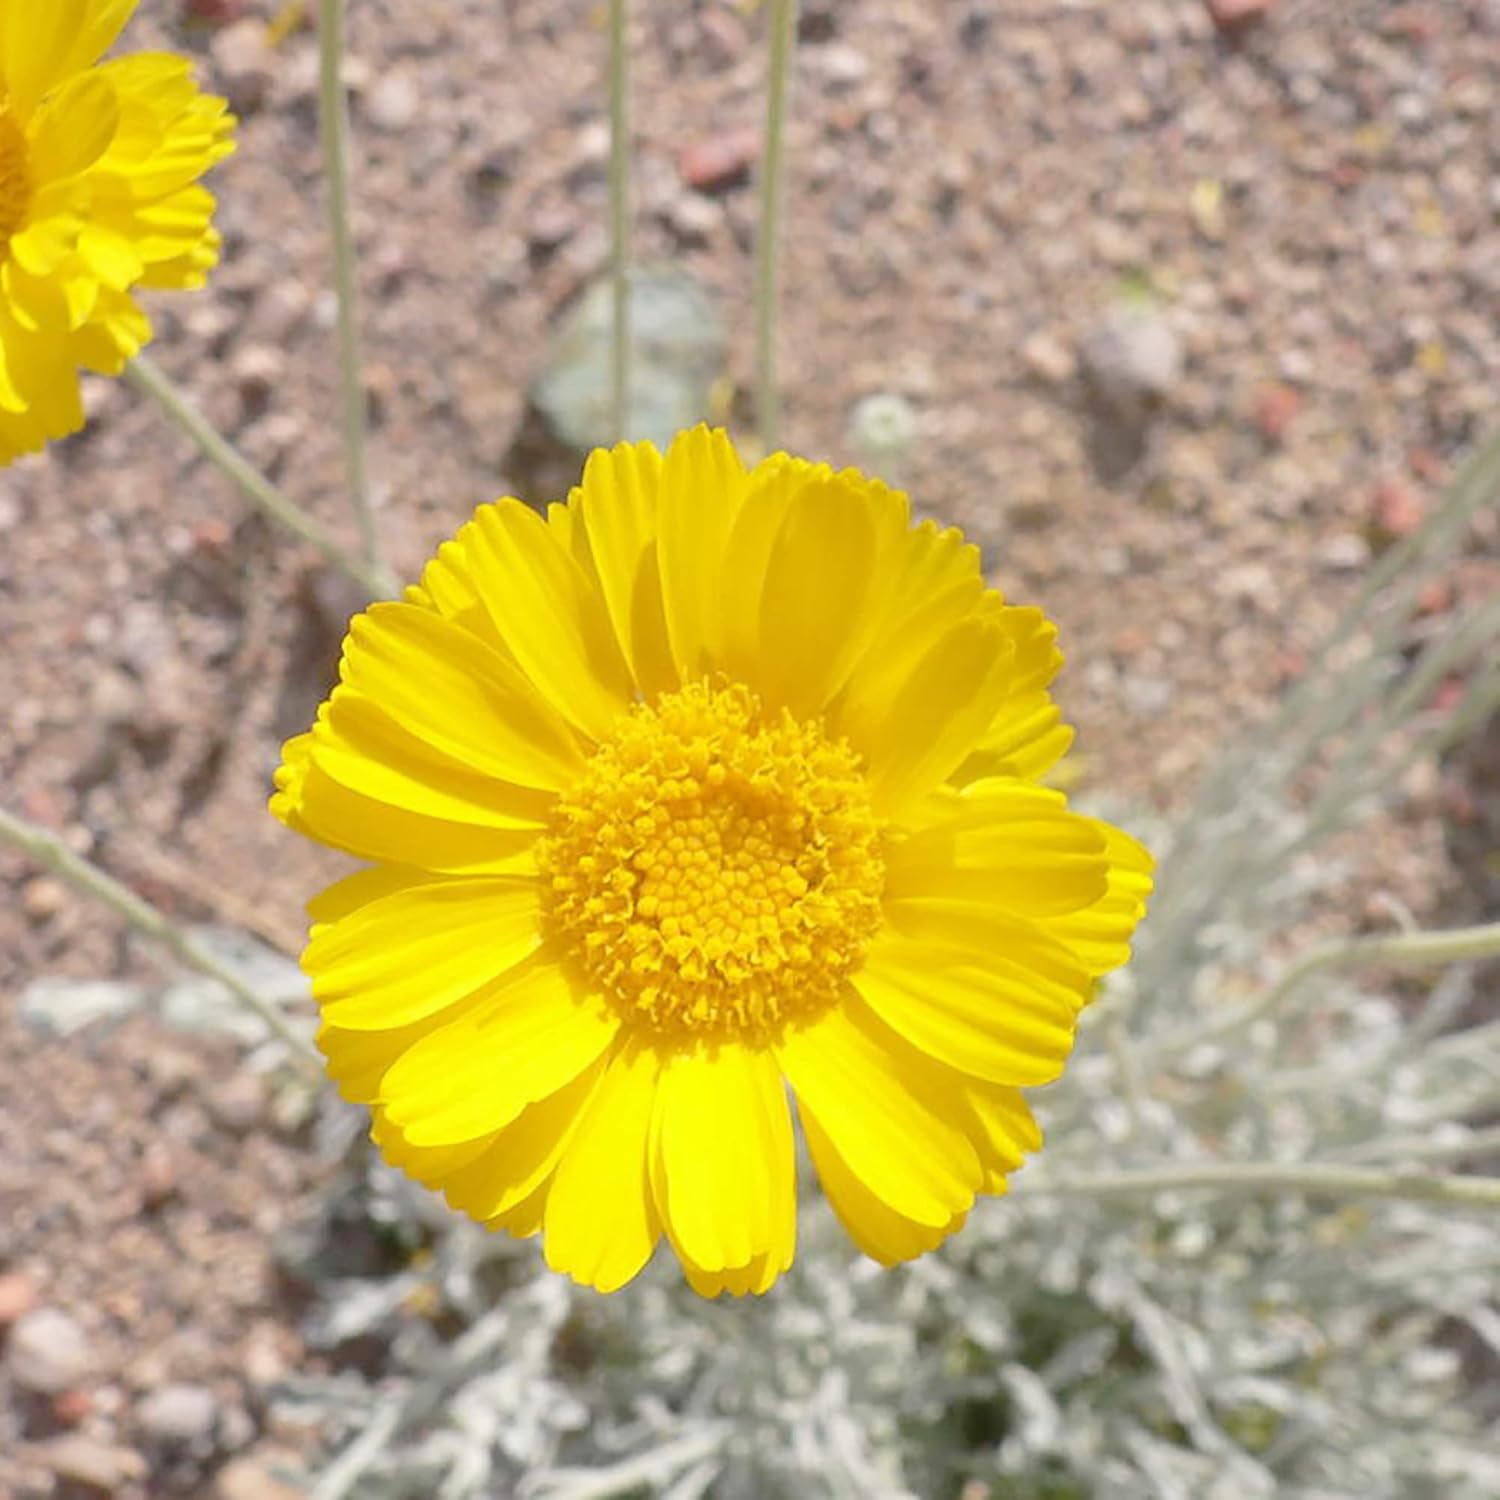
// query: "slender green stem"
[[783, 23], [152, 381], [619, 218], [1419, 949], [52, 854], [1270, 1179], [333, 131]]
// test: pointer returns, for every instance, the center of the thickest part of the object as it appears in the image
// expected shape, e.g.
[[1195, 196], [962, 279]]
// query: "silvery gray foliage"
[[1161, 1346]]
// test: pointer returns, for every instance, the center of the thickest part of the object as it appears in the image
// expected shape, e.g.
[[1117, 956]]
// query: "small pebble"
[[42, 898], [47, 1352], [393, 103], [18, 1295], [84, 1462], [1048, 358], [178, 1415], [158, 1176], [719, 161], [1395, 512], [250, 1479], [1132, 358], [244, 64], [238, 1103], [1230, 15]]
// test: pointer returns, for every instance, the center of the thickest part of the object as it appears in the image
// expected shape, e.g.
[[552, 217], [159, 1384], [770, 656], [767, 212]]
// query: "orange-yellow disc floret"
[[717, 871]]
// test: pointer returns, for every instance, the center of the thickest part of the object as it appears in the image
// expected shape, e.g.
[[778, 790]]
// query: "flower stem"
[[1472, 1145], [1271, 1178], [152, 381], [1457, 945], [52, 854], [783, 23], [333, 132], [619, 218]]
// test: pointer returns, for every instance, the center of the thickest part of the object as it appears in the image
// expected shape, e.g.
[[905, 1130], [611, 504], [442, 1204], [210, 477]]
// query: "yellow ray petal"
[[937, 715], [447, 687], [529, 1037], [998, 1022], [525, 1154], [893, 1128], [1004, 1131], [313, 803], [618, 499], [1100, 934], [358, 1060], [72, 129], [1004, 843], [759, 1276], [429, 1165], [822, 578], [358, 745], [935, 583], [600, 1225], [724, 1141], [524, 1220], [702, 487], [42, 44], [882, 1233], [170, 134], [770, 489], [548, 613], [419, 949], [1026, 739], [359, 889], [983, 928]]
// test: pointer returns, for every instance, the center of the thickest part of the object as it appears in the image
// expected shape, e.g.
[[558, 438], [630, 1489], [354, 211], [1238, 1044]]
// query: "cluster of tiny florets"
[[717, 871]]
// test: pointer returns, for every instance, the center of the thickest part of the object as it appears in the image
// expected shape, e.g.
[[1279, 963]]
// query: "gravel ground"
[[1191, 322]]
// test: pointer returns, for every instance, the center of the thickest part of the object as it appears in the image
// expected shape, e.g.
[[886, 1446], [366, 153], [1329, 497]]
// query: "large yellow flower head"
[[710, 782], [99, 164]]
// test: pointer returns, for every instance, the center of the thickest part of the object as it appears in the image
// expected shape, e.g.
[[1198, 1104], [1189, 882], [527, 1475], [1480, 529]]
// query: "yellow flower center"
[[717, 871], [15, 187]]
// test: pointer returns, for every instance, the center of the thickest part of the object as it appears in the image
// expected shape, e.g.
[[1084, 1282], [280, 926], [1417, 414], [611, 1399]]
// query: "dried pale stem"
[[647, 1472], [783, 24], [152, 381], [1361, 767], [412, 1405], [1480, 699], [333, 132], [1272, 1179], [1128, 1070], [1407, 566], [1473, 1145], [1224, 844], [1402, 949], [47, 850], [619, 218]]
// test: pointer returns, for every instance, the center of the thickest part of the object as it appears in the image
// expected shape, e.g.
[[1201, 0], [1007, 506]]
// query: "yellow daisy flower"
[[99, 165], [710, 782]]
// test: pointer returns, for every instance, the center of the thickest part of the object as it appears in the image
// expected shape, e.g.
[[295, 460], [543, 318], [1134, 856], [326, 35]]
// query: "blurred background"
[[1184, 309]]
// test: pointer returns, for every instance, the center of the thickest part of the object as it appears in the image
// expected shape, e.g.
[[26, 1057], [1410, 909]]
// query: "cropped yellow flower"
[[99, 165], [710, 782]]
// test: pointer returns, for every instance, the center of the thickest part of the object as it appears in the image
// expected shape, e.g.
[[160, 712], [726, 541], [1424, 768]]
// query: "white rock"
[[393, 103], [178, 1414], [47, 1352]]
